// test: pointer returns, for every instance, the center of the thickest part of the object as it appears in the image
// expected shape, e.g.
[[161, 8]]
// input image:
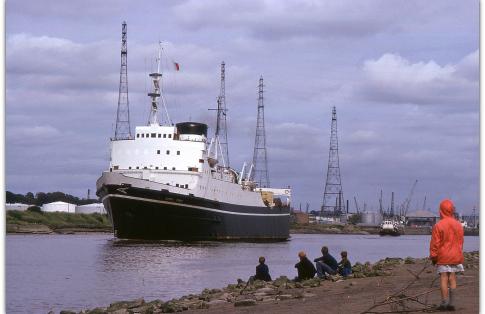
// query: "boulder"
[[216, 302], [265, 290], [98, 310], [284, 297], [197, 305], [409, 260], [247, 302], [226, 297], [120, 311], [268, 299], [280, 281], [314, 282], [144, 309], [126, 304], [171, 307]]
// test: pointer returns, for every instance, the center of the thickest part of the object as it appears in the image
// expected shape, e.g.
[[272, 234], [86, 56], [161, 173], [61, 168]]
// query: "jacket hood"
[[446, 208]]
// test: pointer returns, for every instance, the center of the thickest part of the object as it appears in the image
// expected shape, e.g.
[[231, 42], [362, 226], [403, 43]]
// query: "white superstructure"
[[181, 163]]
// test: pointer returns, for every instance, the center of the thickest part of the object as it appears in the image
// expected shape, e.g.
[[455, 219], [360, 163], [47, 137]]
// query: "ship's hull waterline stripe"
[[188, 205]]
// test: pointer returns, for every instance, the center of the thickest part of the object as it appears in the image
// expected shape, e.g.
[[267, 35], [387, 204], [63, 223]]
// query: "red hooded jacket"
[[446, 246]]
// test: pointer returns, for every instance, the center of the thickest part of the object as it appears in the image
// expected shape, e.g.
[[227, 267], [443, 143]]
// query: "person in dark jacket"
[[305, 268], [262, 271], [344, 266], [326, 264]]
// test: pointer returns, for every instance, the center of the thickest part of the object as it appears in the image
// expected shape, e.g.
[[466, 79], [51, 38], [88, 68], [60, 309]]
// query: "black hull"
[[160, 215], [394, 233]]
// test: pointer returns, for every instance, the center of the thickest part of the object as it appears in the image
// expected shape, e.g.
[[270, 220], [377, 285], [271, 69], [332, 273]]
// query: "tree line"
[[42, 198]]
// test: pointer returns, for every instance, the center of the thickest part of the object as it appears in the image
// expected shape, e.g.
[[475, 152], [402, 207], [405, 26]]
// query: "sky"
[[403, 76]]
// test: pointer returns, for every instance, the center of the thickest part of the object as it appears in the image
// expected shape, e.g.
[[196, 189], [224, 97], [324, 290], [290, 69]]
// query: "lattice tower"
[[333, 199], [260, 160], [123, 130], [221, 130]]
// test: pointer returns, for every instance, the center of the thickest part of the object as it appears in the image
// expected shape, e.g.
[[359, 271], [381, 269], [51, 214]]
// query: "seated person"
[[262, 271], [305, 268], [344, 267], [326, 264]]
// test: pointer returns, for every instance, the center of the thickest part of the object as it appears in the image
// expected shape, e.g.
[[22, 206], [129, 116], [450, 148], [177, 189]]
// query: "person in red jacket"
[[446, 251]]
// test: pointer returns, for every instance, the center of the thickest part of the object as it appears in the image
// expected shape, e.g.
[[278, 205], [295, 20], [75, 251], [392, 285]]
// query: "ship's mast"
[[219, 143], [123, 130], [156, 95]]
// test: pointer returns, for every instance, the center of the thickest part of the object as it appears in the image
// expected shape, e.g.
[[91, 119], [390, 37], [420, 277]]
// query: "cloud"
[[39, 132], [395, 80], [400, 73], [275, 20]]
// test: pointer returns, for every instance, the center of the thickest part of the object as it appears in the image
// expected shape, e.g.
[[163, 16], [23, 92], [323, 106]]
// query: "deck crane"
[[424, 203]]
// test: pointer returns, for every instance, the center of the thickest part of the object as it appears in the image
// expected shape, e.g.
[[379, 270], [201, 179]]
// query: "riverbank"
[[355, 229], [389, 285], [30, 222]]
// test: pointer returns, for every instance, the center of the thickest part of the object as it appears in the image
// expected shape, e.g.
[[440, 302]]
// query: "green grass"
[[59, 220]]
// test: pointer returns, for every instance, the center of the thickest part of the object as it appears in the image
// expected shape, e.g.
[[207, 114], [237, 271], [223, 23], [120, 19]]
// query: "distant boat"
[[390, 227]]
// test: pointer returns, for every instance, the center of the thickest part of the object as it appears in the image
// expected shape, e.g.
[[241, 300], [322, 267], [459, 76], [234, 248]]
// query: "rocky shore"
[[392, 283]]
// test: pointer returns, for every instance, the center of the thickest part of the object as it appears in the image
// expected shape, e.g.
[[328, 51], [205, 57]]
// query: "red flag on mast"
[[177, 66]]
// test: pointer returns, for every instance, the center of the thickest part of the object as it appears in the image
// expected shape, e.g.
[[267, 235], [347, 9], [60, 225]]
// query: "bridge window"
[[168, 152], [178, 152], [173, 168], [164, 135], [164, 168], [158, 151], [159, 135], [138, 135], [170, 136], [154, 134], [143, 135]]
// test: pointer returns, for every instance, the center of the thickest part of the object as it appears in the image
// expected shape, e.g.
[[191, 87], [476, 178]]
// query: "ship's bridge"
[[162, 152]]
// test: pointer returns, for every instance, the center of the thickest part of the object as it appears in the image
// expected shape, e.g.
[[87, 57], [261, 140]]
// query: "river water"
[[55, 272]]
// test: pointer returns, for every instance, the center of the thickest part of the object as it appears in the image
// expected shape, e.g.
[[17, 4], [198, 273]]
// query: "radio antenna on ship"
[[220, 137], [156, 94], [123, 131]]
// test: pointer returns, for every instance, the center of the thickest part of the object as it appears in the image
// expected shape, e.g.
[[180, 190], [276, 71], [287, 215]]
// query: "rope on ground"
[[426, 308]]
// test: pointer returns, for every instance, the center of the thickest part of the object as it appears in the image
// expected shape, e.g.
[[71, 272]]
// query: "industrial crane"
[[356, 205], [406, 203]]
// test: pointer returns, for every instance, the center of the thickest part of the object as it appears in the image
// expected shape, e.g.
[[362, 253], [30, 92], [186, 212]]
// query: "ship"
[[168, 182], [390, 227]]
